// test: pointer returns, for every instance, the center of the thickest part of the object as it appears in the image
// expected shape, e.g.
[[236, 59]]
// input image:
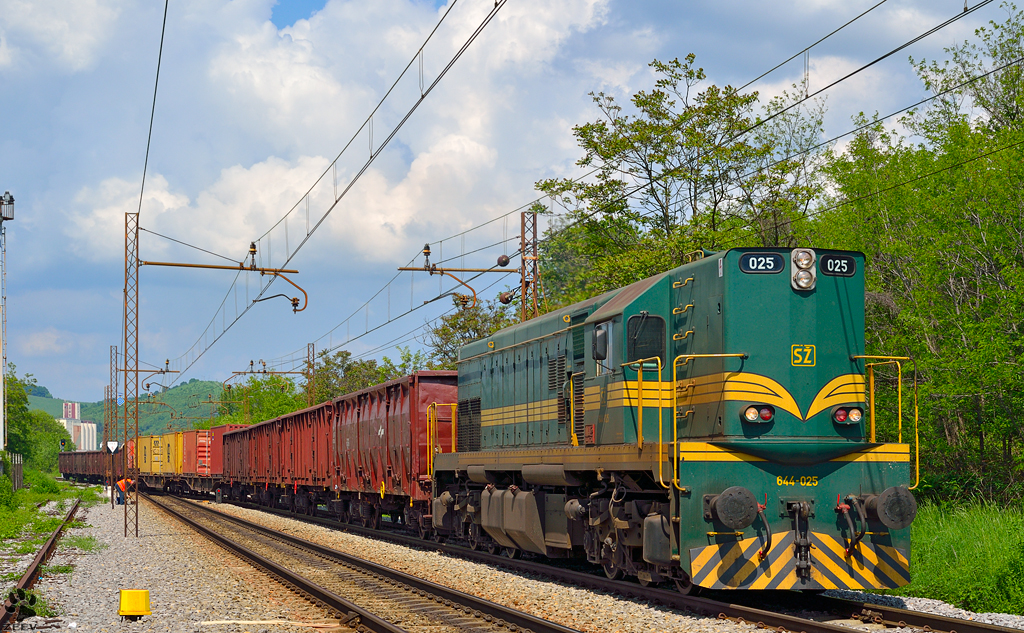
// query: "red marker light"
[[840, 415], [767, 413]]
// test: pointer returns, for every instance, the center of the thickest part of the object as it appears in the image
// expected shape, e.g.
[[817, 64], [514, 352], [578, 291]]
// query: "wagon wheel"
[[375, 519], [511, 552], [492, 547], [422, 531], [476, 541]]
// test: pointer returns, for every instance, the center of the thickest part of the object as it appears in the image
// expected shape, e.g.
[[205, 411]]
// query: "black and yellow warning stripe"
[[737, 565], [867, 566]]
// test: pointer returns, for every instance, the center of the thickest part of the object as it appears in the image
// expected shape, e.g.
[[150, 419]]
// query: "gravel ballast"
[[191, 581], [570, 606], [927, 605]]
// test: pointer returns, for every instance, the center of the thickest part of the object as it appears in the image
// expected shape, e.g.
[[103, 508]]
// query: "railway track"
[[748, 608], [28, 579], [377, 598]]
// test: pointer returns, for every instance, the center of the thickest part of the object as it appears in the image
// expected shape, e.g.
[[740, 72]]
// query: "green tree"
[[686, 169], [35, 434], [945, 281], [338, 374], [463, 326], [262, 397]]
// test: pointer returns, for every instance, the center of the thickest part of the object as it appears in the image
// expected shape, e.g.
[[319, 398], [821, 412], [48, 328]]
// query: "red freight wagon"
[[217, 446], [195, 453], [382, 441], [363, 455]]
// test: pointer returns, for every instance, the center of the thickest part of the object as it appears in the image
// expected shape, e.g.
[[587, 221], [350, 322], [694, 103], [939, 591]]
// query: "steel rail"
[[870, 612], [366, 620], [497, 611], [864, 611], [28, 579]]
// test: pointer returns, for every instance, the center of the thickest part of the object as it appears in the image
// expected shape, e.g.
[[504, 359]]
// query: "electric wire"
[[628, 194], [465, 46], [917, 178], [595, 170], [234, 261], [536, 200]]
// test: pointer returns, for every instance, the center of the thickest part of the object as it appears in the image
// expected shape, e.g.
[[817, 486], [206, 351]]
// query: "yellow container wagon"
[[173, 444]]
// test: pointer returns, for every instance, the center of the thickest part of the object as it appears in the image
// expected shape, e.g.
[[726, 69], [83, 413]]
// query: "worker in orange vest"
[[121, 486]]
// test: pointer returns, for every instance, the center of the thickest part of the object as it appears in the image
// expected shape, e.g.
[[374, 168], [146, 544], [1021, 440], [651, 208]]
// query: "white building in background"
[[83, 434]]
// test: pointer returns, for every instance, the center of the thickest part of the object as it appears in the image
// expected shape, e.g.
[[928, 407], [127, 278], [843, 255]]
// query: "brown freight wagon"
[[88, 466], [217, 447], [364, 455]]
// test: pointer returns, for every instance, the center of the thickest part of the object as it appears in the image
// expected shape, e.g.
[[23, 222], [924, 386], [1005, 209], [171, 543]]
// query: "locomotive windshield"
[[645, 337]]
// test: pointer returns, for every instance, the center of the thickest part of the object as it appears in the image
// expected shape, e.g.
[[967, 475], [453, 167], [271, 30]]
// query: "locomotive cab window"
[[603, 348], [645, 337]]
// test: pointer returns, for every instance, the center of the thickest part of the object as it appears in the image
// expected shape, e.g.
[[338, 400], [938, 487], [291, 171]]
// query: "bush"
[[6, 492], [41, 482]]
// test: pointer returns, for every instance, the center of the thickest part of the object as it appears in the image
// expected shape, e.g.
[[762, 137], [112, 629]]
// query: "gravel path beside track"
[[190, 581], [937, 607], [569, 606]]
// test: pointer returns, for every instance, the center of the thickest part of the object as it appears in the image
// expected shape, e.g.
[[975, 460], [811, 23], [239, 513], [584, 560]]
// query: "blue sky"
[[256, 99]]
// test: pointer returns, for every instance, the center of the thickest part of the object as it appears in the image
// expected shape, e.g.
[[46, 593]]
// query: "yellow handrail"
[[433, 444], [675, 408], [640, 388], [895, 360]]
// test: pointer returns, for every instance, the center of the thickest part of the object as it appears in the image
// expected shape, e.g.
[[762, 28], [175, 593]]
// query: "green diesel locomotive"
[[705, 426]]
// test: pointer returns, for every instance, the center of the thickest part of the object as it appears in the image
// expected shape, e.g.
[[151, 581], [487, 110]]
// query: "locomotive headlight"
[[855, 415], [751, 414], [805, 275], [804, 279], [803, 258]]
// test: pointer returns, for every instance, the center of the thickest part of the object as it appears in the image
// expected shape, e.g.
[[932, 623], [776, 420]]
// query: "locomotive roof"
[[606, 306]]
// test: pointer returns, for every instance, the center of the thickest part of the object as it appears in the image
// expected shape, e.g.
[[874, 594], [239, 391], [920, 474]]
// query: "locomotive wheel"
[[492, 548], [611, 569], [686, 587], [476, 541], [511, 552], [422, 531]]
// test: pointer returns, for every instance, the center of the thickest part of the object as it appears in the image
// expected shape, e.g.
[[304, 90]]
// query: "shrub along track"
[[379, 596], [28, 579], [765, 614]]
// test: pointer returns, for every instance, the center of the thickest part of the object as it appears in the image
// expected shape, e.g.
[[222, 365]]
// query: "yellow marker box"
[[134, 603]]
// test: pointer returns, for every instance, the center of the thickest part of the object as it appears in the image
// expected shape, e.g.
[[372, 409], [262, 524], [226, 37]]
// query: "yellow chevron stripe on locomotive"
[[738, 564]]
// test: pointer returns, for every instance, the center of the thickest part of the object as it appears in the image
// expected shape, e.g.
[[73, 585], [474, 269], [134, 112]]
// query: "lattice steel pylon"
[[529, 274], [131, 371]]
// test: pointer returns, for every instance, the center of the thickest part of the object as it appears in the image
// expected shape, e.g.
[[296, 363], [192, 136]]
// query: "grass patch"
[[56, 569], [971, 556], [21, 519], [84, 543]]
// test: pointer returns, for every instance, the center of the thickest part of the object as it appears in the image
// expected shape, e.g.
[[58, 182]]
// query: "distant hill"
[[153, 418]]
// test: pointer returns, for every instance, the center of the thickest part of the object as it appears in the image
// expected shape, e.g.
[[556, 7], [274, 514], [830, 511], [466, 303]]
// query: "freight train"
[[706, 426]]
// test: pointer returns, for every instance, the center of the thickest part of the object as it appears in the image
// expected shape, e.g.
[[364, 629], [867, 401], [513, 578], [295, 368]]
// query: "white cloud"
[[96, 225], [52, 342], [71, 32]]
